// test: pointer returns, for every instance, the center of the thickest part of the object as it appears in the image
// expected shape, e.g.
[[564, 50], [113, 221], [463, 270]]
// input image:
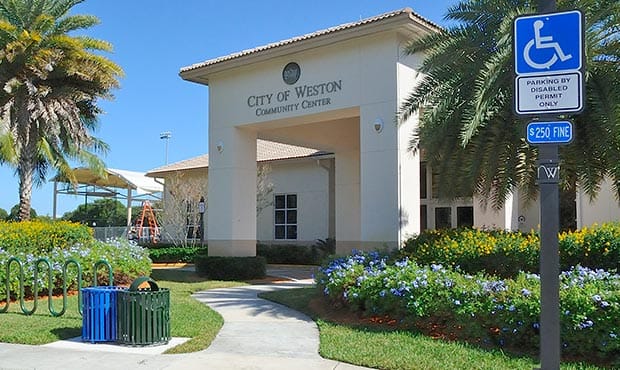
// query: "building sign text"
[[291, 100]]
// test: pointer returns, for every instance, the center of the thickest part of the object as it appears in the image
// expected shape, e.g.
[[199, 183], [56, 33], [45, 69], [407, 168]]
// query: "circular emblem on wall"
[[291, 73]]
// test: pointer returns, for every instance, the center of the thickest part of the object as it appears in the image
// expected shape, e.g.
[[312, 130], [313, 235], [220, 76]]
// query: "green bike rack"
[[110, 273], [50, 284]]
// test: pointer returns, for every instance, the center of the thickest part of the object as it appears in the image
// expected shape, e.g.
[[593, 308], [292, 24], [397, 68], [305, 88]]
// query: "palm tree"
[[468, 131], [49, 85]]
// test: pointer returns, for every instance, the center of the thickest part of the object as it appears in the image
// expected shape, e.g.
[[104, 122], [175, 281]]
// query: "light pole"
[[201, 210], [166, 135]]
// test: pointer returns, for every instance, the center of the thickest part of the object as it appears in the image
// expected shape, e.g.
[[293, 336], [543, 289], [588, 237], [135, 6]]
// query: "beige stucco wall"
[[309, 181], [486, 217], [604, 208], [304, 177], [372, 76], [529, 215], [409, 162]]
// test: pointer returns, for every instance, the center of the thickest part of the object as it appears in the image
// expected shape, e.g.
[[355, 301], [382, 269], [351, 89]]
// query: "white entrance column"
[[347, 201], [389, 179], [232, 192]]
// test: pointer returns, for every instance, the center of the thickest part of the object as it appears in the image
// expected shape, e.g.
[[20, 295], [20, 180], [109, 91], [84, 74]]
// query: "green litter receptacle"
[[143, 314]]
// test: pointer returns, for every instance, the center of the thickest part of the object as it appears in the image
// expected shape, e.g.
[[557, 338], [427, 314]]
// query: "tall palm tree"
[[468, 131], [50, 82]]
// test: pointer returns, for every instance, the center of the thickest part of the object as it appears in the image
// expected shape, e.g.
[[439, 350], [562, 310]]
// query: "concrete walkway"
[[257, 334]]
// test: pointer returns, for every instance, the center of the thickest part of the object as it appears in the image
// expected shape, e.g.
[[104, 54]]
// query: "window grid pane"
[[280, 219], [280, 232], [279, 202], [291, 201], [465, 216], [443, 218], [291, 232], [291, 216]]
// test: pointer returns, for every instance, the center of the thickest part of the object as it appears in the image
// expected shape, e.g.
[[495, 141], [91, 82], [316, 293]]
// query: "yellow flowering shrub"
[[40, 237], [505, 253], [496, 252], [597, 246]]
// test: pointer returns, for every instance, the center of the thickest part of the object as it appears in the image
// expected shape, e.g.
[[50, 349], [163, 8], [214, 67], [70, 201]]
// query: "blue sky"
[[153, 39]]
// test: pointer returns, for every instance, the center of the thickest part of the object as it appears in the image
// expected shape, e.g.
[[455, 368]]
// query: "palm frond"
[[75, 22]]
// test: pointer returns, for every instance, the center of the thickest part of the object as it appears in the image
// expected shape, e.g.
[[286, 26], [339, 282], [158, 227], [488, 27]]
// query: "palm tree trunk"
[[26, 164], [25, 171]]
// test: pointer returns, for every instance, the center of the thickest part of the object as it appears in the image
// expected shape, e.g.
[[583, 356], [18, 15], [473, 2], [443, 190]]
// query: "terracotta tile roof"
[[412, 15], [265, 151], [202, 161]]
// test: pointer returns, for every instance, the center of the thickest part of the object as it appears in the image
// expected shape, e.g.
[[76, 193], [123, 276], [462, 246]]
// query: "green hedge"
[[297, 255], [170, 254], [292, 254], [505, 253], [231, 268], [273, 253]]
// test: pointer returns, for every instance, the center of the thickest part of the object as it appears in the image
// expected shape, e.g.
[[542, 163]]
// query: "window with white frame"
[[285, 217]]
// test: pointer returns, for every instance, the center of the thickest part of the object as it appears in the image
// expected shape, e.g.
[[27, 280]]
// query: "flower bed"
[[59, 242], [479, 308]]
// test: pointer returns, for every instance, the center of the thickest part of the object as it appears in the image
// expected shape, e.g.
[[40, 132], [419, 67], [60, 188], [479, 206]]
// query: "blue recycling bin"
[[99, 313]]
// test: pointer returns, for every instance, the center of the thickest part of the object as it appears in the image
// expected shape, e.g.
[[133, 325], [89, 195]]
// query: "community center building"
[[319, 110]]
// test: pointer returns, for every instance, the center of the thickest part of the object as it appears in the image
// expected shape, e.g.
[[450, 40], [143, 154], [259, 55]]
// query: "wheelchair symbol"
[[543, 42]]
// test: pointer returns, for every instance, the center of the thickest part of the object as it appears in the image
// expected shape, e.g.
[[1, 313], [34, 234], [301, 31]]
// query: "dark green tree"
[[467, 129], [102, 212], [51, 80], [14, 214], [4, 215]]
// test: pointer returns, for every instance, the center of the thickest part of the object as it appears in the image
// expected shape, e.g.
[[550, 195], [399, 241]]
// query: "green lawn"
[[188, 317], [41, 327], [389, 349]]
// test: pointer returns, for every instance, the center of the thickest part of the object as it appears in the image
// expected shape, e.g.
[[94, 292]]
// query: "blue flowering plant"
[[480, 308], [590, 312], [340, 274]]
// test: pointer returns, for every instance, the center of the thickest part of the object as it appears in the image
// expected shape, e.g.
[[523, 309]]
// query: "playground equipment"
[[148, 214]]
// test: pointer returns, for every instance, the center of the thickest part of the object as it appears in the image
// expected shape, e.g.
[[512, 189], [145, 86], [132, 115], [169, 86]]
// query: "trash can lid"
[[141, 280]]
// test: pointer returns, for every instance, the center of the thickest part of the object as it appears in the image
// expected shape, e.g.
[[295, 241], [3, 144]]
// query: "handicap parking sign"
[[548, 43]]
